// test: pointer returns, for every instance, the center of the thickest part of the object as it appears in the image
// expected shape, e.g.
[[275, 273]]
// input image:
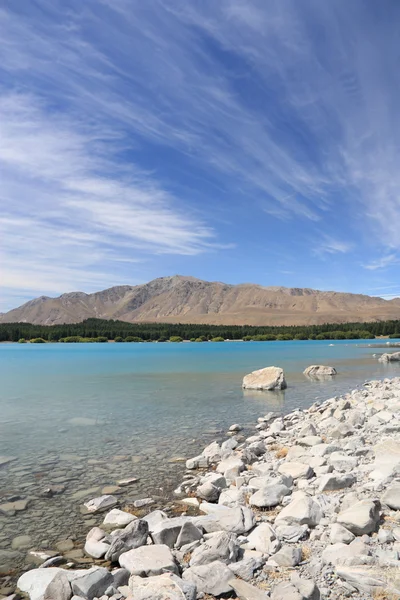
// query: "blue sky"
[[238, 140]]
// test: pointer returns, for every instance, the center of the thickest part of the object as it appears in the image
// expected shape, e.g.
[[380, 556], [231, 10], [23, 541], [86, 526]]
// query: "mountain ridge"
[[186, 299]]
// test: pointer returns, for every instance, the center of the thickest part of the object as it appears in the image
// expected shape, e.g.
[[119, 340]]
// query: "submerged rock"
[[319, 371]]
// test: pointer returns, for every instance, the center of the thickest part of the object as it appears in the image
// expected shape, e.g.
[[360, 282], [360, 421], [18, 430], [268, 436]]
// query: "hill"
[[181, 299]]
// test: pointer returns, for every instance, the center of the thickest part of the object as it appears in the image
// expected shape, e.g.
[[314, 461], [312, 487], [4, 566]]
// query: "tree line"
[[93, 329]]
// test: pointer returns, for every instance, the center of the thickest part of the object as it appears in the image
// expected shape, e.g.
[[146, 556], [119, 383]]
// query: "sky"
[[239, 141]]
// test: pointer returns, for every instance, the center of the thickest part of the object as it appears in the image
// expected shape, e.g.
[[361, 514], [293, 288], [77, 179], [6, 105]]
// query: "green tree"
[[175, 338], [119, 339], [22, 341], [218, 339], [38, 341], [133, 338]]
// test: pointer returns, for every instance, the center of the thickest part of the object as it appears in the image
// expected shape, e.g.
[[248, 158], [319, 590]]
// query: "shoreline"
[[306, 467]]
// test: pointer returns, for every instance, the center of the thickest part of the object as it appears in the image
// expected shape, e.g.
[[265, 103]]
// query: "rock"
[[128, 481], [208, 491], [343, 430], [93, 583], [154, 518], [342, 462], [287, 557], [269, 496], [38, 584], [302, 510], [360, 518], [65, 545], [10, 508], [101, 503], [21, 541], [308, 429], [212, 578], [236, 520], [189, 533], [340, 534], [167, 531], [391, 497], [291, 533], [118, 518], [221, 547], [365, 579], [245, 568], [133, 536], [121, 577], [96, 549], [231, 468], [162, 587], [245, 591], [306, 587], [387, 460], [339, 553], [286, 591], [393, 357], [336, 482], [235, 427], [263, 539], [296, 470], [8, 560], [143, 502], [310, 440], [149, 560], [232, 498], [319, 371], [270, 378]]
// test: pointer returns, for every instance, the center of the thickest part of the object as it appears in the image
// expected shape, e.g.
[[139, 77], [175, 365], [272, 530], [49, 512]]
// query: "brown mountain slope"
[[189, 300]]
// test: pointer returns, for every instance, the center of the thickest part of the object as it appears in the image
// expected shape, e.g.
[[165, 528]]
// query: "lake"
[[83, 416]]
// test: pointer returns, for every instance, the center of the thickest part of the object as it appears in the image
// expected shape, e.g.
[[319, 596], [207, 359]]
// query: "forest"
[[98, 330]]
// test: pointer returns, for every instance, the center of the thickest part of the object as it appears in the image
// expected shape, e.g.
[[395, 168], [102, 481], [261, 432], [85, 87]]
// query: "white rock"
[[161, 587], [319, 371], [360, 518], [101, 503], [118, 518], [340, 534], [246, 591], [39, 583], [336, 482], [222, 546], [296, 470], [212, 578], [392, 497], [302, 510], [270, 378], [149, 560], [269, 496], [263, 539]]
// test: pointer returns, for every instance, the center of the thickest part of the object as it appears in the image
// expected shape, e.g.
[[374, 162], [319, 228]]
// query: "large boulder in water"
[[270, 378], [394, 357], [320, 371]]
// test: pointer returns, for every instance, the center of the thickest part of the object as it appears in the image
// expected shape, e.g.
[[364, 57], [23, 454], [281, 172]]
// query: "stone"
[[393, 357], [212, 578], [302, 510], [340, 534], [212, 451], [270, 378], [343, 430], [391, 497], [235, 427], [287, 557], [167, 531], [149, 560], [296, 470], [342, 462], [236, 520], [221, 547], [230, 468], [10, 508], [161, 587], [189, 533], [93, 583], [128, 481], [118, 518], [245, 568], [208, 491], [232, 497], [8, 560], [286, 591], [291, 533], [338, 553], [246, 591], [143, 502], [363, 578], [133, 536], [319, 371], [336, 482], [310, 440], [37, 583], [360, 518], [306, 587], [154, 518], [308, 429], [263, 539], [101, 503], [269, 496], [387, 460], [21, 541], [65, 545]]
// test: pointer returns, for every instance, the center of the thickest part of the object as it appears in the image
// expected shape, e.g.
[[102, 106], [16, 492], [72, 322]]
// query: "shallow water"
[[86, 415]]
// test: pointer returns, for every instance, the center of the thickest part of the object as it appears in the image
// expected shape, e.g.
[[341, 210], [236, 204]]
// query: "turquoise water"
[[85, 415]]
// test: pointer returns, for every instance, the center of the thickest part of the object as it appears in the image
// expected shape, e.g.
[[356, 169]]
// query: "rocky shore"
[[307, 508]]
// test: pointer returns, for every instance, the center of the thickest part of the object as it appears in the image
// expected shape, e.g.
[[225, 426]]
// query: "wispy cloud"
[[383, 262], [329, 245]]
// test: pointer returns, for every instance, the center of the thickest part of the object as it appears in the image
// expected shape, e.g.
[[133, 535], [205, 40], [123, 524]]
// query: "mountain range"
[[179, 299]]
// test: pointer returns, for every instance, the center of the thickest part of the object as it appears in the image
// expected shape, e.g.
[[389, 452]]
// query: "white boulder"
[[270, 378]]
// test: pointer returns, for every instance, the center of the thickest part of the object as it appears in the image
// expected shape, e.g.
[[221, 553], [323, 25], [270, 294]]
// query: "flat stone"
[[101, 503], [336, 482], [316, 371], [110, 489], [118, 518], [369, 580], [287, 557], [286, 591], [80, 494], [221, 547], [8, 560], [128, 481], [21, 541], [161, 587], [10, 508], [291, 533], [361, 518], [296, 470], [306, 587], [246, 591], [149, 560], [65, 545], [212, 578], [342, 462], [143, 502]]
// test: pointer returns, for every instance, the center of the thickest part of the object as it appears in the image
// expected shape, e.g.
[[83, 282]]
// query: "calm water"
[[84, 415]]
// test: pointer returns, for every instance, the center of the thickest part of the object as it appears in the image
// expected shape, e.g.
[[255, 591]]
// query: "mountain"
[[180, 299]]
